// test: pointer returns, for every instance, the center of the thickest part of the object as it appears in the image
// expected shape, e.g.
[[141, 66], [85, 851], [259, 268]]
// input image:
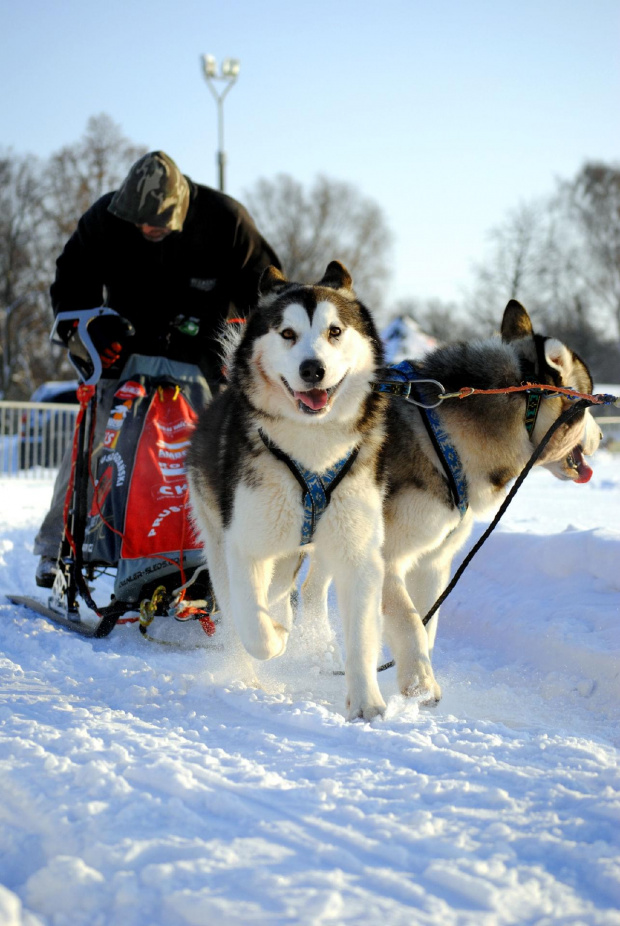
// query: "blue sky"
[[447, 113]]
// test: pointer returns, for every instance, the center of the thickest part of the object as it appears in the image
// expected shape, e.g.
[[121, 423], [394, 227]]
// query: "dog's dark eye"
[[335, 331], [288, 334]]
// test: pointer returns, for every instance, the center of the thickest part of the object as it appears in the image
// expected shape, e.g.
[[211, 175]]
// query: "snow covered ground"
[[149, 786]]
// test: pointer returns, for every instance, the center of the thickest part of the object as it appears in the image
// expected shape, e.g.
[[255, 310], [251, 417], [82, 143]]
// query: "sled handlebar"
[[83, 355]]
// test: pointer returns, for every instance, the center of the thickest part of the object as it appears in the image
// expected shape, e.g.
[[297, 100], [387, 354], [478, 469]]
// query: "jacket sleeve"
[[79, 276], [249, 256]]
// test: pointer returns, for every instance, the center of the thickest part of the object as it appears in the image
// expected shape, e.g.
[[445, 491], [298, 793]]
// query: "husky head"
[[549, 361], [309, 351]]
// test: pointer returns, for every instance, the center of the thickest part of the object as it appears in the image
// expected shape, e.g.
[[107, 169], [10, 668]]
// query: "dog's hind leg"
[[425, 582], [314, 626], [431, 575], [282, 587], [249, 580], [314, 591], [407, 638], [314, 601]]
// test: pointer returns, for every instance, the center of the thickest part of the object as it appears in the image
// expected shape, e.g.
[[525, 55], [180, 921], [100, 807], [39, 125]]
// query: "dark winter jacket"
[[208, 271]]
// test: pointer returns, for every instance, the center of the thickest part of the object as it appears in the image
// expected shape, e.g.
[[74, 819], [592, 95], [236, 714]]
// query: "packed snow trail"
[[144, 785]]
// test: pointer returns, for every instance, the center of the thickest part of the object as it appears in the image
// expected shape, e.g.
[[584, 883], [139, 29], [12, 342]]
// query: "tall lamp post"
[[229, 71]]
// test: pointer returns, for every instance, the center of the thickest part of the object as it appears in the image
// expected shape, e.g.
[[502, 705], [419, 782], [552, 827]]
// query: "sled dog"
[[429, 515], [287, 460]]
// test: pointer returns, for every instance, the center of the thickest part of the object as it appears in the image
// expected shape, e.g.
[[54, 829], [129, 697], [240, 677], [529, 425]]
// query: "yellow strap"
[[149, 607], [177, 392]]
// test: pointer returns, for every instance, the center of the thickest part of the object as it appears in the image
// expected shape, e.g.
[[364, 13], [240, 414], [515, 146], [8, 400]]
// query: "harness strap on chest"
[[317, 488], [401, 381], [449, 459]]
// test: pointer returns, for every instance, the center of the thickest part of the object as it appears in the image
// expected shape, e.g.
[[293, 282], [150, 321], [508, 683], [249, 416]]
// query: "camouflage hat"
[[155, 192]]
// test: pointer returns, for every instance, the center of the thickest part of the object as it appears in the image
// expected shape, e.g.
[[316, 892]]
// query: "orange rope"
[[552, 390]]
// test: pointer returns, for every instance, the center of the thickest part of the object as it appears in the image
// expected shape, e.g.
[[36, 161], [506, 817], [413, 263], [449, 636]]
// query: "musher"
[[174, 258]]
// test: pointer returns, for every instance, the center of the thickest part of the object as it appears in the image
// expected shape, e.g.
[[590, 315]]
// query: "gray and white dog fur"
[[302, 373], [423, 528]]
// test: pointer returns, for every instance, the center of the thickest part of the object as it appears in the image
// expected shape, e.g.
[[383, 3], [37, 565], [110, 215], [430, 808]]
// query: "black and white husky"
[[493, 437], [287, 460], [485, 441]]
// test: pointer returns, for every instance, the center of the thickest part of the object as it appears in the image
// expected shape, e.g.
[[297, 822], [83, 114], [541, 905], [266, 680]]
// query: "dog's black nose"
[[311, 371]]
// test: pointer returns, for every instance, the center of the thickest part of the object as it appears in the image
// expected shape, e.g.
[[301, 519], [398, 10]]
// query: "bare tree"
[[40, 205], [561, 258], [518, 265], [591, 204], [21, 283], [561, 255], [331, 220], [79, 174]]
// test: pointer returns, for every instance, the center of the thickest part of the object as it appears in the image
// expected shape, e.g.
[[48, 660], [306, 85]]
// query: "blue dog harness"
[[317, 488], [401, 381]]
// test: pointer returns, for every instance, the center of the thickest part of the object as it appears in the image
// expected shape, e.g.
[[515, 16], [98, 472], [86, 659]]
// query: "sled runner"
[[137, 523]]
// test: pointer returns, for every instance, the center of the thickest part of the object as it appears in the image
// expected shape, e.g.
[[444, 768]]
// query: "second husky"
[[441, 476], [287, 460], [493, 437]]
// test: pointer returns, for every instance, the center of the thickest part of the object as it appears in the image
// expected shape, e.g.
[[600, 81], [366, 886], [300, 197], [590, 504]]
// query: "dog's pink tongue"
[[583, 468], [315, 398]]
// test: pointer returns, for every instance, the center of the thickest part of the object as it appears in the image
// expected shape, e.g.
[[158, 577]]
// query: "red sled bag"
[[139, 519]]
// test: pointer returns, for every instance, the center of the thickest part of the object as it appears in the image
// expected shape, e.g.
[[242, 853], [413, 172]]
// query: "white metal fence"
[[34, 437], [610, 427]]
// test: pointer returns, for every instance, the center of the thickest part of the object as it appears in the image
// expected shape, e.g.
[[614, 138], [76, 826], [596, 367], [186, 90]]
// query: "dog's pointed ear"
[[336, 276], [570, 366], [516, 322], [271, 279]]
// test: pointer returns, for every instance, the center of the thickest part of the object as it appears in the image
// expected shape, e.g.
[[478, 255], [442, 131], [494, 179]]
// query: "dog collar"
[[534, 396], [317, 488], [401, 381], [532, 407]]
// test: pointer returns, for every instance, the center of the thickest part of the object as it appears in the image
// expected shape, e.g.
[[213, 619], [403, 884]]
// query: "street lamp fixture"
[[228, 73]]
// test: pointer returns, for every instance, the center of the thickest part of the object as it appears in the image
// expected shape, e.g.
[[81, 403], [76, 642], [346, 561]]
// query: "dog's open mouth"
[[313, 401], [577, 462]]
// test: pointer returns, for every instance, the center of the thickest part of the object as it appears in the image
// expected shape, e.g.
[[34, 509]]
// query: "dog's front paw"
[[427, 691], [418, 681], [277, 641], [268, 643], [365, 711], [282, 635]]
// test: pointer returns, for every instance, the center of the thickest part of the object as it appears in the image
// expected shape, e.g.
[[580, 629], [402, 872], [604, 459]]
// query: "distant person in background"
[[174, 258]]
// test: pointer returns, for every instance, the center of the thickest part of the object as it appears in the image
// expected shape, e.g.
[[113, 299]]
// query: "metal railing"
[[34, 437], [610, 429]]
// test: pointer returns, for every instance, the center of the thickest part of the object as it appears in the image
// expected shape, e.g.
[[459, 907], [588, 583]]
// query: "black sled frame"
[[70, 583]]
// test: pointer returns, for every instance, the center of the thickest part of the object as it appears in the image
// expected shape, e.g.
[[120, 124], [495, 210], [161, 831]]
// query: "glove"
[[108, 334], [110, 354]]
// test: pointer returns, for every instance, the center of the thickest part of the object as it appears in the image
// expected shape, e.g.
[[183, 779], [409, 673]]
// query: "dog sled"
[[131, 521]]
